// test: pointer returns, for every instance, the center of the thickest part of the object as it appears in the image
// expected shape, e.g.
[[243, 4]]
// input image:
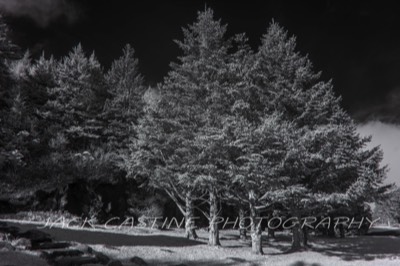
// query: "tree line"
[[255, 129]]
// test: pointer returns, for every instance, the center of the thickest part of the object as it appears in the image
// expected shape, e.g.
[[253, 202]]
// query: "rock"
[[103, 259], [84, 248], [115, 263], [138, 261], [23, 243], [5, 246], [50, 245], [74, 261], [3, 236]]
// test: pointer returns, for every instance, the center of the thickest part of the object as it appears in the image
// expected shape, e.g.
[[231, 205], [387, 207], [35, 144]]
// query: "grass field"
[[363, 250]]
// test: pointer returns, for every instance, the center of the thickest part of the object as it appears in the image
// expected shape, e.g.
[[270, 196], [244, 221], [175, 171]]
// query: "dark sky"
[[357, 44]]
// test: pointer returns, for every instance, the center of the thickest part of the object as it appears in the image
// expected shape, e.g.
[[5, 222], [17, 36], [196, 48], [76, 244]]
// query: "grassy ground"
[[170, 248], [363, 250]]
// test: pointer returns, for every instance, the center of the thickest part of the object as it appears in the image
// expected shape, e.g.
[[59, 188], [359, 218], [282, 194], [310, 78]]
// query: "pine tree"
[[262, 151], [181, 133], [12, 145], [26, 113], [77, 146], [78, 98], [9, 52], [125, 104], [280, 75], [204, 76], [292, 144], [159, 160], [331, 165]]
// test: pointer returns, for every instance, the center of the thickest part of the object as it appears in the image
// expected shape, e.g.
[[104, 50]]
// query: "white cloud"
[[388, 137], [43, 12]]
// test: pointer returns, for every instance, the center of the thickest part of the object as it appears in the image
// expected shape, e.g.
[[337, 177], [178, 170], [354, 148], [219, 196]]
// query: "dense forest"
[[230, 128]]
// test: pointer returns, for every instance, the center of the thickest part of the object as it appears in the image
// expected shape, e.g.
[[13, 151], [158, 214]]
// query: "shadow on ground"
[[366, 247], [232, 261], [302, 263], [111, 239], [361, 247], [227, 262]]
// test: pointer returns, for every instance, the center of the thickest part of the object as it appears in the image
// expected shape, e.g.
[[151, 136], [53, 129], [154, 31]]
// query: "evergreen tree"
[[125, 103], [160, 159], [77, 99], [291, 144], [386, 209], [77, 146], [262, 151], [281, 76], [180, 135], [9, 52], [27, 115], [203, 80], [332, 165], [12, 137]]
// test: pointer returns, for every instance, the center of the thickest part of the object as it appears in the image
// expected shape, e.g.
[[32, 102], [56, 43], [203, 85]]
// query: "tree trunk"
[[63, 192], [342, 231], [242, 224], [305, 236], [331, 231], [213, 239], [256, 234], [189, 222], [296, 237], [271, 233]]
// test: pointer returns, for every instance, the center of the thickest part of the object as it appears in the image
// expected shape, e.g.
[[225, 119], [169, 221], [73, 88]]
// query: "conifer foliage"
[[328, 164], [124, 105], [179, 137]]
